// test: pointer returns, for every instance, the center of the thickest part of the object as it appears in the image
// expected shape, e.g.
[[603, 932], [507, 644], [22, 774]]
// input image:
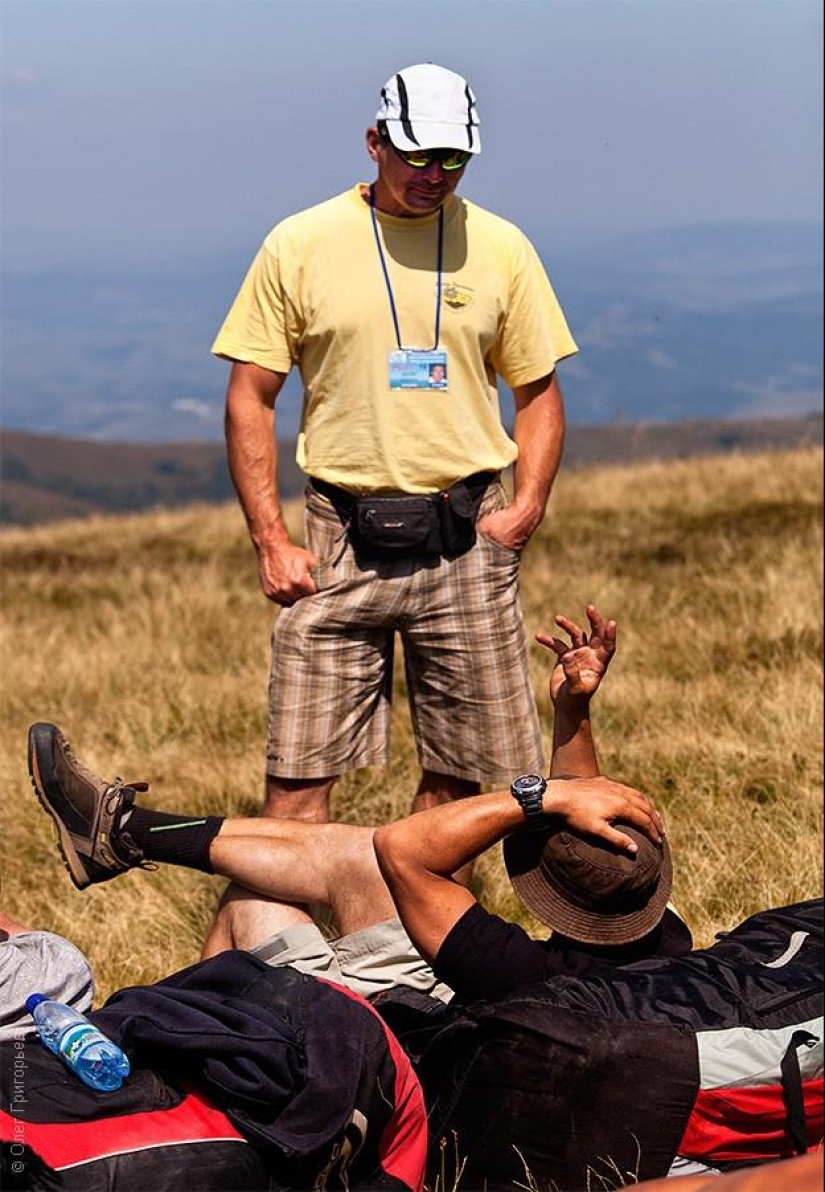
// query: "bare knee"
[[244, 920], [298, 798]]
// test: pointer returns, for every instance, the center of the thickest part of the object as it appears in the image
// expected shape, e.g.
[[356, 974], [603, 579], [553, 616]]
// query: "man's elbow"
[[554, 398], [390, 853]]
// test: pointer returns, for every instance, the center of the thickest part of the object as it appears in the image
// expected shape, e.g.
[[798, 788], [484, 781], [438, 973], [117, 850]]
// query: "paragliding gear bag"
[[723, 1049], [397, 527]]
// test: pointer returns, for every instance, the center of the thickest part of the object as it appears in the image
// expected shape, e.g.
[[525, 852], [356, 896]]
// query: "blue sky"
[[665, 156], [139, 130]]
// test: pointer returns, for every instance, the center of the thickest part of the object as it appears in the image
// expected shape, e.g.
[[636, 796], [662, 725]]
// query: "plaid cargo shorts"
[[465, 655]]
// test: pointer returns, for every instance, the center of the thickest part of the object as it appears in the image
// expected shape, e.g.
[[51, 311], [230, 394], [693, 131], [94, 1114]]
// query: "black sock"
[[171, 839]]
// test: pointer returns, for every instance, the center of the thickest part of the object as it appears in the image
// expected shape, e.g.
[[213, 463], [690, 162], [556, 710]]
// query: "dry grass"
[[145, 637]]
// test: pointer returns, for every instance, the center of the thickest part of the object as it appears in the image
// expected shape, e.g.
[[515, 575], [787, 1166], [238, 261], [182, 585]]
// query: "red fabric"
[[64, 1144], [733, 1124], [403, 1145]]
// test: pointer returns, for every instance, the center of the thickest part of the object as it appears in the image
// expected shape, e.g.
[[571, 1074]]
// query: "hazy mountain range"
[[693, 323], [48, 478]]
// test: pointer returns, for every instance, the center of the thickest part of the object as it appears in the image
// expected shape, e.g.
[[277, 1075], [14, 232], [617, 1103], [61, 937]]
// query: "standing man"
[[373, 295]]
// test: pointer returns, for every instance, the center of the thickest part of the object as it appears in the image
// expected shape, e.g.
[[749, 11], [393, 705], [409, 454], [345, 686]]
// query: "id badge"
[[413, 368]]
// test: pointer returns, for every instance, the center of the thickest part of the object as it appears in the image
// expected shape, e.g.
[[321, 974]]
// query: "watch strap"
[[529, 795]]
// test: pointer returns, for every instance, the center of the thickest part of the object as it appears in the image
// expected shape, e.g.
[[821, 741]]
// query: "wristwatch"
[[528, 790]]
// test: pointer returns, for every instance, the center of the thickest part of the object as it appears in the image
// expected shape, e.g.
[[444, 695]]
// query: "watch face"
[[525, 784]]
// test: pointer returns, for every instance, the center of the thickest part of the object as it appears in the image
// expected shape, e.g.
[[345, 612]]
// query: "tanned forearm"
[[538, 431], [539, 434], [574, 750], [418, 856], [252, 452], [284, 569]]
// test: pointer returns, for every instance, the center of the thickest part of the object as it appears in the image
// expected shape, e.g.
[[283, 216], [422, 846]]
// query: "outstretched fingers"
[[559, 647], [606, 630], [602, 637], [597, 623], [577, 635]]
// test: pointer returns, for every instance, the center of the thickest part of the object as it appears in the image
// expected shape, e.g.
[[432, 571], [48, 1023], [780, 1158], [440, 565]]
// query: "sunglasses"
[[419, 159]]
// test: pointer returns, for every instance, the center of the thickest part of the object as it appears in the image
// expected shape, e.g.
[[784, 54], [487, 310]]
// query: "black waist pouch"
[[458, 509], [440, 523], [395, 527]]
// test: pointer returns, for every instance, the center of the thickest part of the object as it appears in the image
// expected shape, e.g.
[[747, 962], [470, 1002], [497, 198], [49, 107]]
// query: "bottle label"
[[75, 1039]]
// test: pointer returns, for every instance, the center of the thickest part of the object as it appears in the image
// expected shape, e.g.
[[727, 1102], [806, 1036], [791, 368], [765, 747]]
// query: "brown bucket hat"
[[587, 889]]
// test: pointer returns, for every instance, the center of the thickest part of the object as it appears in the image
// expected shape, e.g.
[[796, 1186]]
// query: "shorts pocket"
[[325, 537], [321, 574], [498, 548]]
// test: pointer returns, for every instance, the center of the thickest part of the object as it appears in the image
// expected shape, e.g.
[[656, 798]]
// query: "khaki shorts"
[[471, 702], [367, 962]]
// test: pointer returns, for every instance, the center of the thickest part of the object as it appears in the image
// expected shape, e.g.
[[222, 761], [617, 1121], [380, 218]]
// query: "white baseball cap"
[[429, 107]]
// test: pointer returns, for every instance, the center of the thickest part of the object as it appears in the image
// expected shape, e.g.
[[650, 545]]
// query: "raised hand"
[[581, 663]]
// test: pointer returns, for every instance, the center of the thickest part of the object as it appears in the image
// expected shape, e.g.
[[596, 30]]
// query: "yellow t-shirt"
[[316, 297]]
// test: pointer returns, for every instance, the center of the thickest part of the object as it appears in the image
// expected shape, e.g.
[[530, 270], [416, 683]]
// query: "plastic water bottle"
[[98, 1061]]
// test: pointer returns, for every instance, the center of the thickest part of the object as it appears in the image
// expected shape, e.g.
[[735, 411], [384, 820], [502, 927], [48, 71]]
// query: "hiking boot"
[[86, 809]]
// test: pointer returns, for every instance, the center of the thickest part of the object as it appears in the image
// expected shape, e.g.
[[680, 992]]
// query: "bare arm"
[[252, 451], [539, 434], [418, 855], [580, 667]]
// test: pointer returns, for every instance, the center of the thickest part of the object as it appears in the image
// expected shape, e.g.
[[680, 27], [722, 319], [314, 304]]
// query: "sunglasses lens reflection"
[[447, 159]]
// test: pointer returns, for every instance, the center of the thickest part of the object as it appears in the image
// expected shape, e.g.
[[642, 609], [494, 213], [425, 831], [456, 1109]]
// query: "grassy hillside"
[[146, 639]]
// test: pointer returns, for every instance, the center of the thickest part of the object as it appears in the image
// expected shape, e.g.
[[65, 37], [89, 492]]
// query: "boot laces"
[[118, 797]]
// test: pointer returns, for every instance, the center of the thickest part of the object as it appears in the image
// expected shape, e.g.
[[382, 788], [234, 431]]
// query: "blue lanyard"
[[439, 265]]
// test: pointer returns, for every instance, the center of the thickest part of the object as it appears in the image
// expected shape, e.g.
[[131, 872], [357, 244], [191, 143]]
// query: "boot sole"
[[41, 770]]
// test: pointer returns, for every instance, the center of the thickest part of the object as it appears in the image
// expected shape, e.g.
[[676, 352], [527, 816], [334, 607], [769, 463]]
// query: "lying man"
[[601, 828], [597, 870]]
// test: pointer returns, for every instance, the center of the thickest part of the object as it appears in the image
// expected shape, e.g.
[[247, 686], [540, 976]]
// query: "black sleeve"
[[485, 957]]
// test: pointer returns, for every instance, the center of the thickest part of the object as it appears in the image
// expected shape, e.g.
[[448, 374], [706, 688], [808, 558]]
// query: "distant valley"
[[693, 323], [47, 478]]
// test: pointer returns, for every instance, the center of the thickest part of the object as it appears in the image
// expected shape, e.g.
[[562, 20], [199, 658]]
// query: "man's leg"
[[466, 659], [331, 864], [296, 864], [298, 798], [103, 832], [437, 789], [244, 919], [434, 790]]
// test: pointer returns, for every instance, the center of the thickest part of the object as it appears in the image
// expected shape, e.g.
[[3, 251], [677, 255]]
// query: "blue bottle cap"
[[34, 1000]]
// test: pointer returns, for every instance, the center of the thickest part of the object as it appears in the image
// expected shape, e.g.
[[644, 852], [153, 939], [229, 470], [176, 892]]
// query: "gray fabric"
[[39, 962]]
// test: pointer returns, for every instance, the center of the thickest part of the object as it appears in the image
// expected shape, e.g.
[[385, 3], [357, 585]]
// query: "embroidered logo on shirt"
[[457, 297]]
